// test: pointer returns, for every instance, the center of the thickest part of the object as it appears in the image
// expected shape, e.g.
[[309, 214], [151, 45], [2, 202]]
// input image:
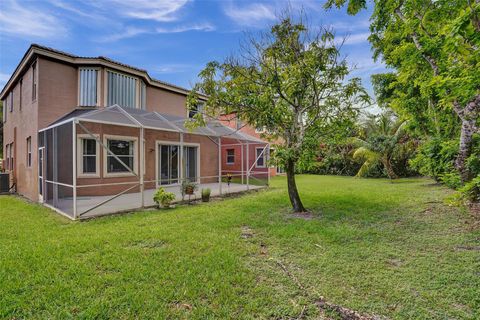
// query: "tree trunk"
[[292, 188], [389, 168], [466, 135], [469, 115]]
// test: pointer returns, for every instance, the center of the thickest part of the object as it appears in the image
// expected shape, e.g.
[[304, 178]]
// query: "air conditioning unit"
[[4, 182]]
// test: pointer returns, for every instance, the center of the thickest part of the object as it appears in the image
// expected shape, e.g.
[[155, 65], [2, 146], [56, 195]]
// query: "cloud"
[[172, 68], [250, 15], [158, 10], [27, 21], [352, 39], [128, 32], [195, 27]]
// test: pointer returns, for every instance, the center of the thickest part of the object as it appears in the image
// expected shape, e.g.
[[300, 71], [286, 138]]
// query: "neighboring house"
[[231, 156], [51, 90]]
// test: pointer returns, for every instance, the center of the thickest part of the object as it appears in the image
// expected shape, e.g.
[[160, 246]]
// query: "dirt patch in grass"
[[247, 233], [303, 215]]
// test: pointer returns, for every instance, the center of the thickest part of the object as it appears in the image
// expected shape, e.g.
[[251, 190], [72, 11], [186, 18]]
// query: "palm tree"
[[382, 136]]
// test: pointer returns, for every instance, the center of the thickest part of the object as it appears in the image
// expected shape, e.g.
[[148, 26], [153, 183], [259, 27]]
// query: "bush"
[[471, 190], [206, 194], [163, 198], [435, 158]]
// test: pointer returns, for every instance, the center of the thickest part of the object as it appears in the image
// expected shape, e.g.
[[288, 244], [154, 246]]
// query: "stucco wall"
[[21, 123], [167, 102]]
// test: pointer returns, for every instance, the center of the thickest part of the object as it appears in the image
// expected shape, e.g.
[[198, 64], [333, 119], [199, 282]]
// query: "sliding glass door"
[[190, 154], [169, 164]]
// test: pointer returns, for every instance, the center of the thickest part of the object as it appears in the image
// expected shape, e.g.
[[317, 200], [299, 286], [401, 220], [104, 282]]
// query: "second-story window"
[[5, 109], [10, 101], [34, 81], [122, 90], [143, 95], [88, 87], [197, 109], [21, 89]]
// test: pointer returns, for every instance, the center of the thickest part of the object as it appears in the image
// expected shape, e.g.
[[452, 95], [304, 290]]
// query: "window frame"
[[80, 156], [10, 103], [181, 175], [230, 155], [133, 139], [34, 81], [20, 84], [263, 157], [29, 151]]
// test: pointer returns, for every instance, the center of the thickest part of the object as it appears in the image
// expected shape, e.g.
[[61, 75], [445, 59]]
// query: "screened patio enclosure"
[[102, 161]]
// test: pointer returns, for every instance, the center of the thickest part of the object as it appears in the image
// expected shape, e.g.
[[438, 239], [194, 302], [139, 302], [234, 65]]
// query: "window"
[[191, 163], [88, 78], [29, 152], [260, 129], [11, 162], [34, 81], [21, 89], [125, 149], [143, 95], [10, 102], [5, 106], [196, 109], [230, 156], [7, 156], [88, 156], [169, 163], [122, 90], [260, 156]]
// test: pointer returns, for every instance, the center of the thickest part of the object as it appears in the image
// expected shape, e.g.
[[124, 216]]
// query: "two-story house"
[[92, 127]]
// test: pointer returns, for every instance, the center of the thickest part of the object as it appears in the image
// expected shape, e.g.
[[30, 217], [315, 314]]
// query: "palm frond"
[[371, 158]]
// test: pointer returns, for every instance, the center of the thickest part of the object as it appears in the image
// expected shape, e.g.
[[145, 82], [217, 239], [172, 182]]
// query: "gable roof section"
[[66, 57]]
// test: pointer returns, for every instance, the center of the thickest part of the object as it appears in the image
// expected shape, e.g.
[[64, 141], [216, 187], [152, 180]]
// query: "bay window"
[[122, 90]]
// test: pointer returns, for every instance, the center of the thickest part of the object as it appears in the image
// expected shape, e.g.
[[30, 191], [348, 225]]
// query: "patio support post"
[[241, 161], [268, 164], [248, 166], [182, 160], [142, 164], [220, 165], [74, 167]]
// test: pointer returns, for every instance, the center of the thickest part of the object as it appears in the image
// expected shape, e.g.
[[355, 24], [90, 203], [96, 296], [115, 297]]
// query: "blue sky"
[[172, 40]]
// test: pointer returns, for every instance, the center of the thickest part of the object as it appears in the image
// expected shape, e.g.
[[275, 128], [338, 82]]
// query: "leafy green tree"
[[434, 48], [290, 81], [383, 137]]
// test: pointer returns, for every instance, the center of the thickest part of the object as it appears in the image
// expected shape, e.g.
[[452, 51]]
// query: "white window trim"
[[105, 156], [80, 173], [99, 87], [261, 131], [226, 160], [263, 156], [176, 143]]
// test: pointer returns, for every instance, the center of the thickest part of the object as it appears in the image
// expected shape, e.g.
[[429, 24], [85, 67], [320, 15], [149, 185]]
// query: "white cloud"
[[27, 21], [351, 39], [195, 27], [250, 15], [172, 68], [158, 10], [128, 32]]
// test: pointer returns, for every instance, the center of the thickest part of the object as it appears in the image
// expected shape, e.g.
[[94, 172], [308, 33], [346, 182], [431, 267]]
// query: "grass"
[[389, 249]]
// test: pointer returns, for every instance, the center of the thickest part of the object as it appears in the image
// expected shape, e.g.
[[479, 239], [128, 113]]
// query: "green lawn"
[[389, 249]]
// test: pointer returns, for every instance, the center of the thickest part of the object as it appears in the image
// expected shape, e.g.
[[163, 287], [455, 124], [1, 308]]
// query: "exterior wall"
[[208, 158], [22, 123], [236, 168], [57, 90], [57, 95], [163, 101], [230, 121]]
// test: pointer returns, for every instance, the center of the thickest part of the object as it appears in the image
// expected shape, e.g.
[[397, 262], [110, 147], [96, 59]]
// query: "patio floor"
[[131, 201]]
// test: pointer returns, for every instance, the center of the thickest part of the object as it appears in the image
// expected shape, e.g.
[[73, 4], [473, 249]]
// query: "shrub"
[[163, 198], [435, 158], [471, 190], [451, 180], [206, 194]]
